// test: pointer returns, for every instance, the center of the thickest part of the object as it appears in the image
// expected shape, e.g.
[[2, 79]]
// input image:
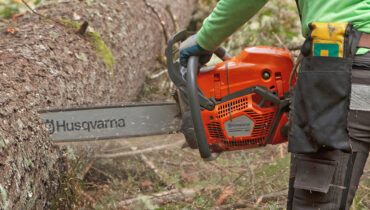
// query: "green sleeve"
[[226, 18]]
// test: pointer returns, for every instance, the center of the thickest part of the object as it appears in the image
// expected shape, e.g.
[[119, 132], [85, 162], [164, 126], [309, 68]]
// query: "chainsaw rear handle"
[[192, 90]]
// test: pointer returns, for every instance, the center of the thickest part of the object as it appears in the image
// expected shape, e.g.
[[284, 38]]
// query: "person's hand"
[[190, 47]]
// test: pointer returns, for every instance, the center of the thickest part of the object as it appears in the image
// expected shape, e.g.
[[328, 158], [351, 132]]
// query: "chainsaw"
[[237, 104], [240, 103]]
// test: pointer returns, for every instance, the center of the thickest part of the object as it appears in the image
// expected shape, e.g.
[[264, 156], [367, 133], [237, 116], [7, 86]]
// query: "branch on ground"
[[162, 197]]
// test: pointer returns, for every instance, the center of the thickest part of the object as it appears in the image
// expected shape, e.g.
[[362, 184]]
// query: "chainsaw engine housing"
[[245, 121]]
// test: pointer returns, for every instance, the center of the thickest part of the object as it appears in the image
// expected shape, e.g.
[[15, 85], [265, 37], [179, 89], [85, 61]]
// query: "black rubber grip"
[[192, 88]]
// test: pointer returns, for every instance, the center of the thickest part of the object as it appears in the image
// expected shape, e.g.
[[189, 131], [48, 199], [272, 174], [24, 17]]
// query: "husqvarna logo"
[[50, 126], [55, 126]]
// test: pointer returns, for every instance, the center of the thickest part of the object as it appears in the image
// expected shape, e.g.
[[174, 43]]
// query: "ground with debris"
[[152, 173]]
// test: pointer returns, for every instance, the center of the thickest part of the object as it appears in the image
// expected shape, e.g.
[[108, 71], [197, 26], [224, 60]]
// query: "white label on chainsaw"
[[240, 126]]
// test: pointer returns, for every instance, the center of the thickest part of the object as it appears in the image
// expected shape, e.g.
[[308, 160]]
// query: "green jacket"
[[229, 15]]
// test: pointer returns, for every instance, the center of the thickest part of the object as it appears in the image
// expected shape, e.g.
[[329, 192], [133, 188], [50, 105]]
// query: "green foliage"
[[3, 196], [276, 166], [209, 2], [70, 23], [276, 24], [144, 202], [8, 8], [148, 90], [361, 200], [37, 2], [101, 49], [70, 186]]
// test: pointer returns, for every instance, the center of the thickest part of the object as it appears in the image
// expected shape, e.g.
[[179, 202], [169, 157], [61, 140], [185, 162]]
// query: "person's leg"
[[329, 180], [359, 119], [358, 166], [359, 131], [312, 183], [326, 180]]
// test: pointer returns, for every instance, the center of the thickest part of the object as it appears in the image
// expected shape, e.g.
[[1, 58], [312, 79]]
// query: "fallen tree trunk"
[[44, 64]]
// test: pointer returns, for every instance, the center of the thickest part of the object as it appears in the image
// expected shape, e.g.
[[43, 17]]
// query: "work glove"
[[190, 47]]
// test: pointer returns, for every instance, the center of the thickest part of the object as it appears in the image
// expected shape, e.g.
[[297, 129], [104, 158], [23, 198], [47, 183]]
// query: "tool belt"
[[321, 96]]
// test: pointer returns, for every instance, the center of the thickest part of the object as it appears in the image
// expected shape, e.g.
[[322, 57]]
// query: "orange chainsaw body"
[[255, 66]]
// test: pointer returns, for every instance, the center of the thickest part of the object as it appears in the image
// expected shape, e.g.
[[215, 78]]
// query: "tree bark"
[[46, 64]]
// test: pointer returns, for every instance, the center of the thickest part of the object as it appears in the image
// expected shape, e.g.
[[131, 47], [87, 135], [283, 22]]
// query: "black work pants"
[[329, 179], [338, 171]]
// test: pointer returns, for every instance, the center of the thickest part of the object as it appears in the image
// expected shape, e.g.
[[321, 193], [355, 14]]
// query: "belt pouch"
[[322, 92]]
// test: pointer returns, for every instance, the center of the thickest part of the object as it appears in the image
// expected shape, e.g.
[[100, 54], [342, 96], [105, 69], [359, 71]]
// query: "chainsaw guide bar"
[[111, 122]]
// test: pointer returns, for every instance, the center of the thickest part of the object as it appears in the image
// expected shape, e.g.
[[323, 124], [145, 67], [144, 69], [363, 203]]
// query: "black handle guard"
[[190, 91], [192, 88]]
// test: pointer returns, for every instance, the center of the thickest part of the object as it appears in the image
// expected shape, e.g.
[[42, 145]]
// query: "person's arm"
[[226, 18]]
